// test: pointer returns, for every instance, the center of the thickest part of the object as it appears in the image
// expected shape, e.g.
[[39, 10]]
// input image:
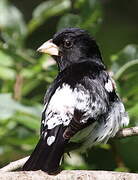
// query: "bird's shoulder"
[[85, 76], [90, 75]]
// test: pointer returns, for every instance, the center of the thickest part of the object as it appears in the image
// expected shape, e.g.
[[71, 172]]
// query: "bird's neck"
[[64, 62]]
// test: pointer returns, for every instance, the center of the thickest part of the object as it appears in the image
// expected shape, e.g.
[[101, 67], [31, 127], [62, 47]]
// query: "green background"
[[25, 75]]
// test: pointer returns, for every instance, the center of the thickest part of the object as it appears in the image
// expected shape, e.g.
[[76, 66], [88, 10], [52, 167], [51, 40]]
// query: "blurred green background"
[[25, 75]]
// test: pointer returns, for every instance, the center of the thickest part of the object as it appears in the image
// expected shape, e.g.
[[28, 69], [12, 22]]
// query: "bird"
[[81, 106]]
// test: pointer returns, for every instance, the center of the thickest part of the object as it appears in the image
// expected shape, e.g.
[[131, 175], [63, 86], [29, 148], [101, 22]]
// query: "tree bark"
[[68, 175]]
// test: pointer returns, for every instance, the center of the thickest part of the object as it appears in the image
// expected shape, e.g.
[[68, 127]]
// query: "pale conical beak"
[[49, 48]]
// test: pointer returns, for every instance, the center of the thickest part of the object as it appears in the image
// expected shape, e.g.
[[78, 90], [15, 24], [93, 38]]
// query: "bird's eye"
[[67, 44]]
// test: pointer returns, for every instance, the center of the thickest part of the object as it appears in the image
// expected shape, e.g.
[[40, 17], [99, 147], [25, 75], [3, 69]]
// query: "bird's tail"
[[48, 153]]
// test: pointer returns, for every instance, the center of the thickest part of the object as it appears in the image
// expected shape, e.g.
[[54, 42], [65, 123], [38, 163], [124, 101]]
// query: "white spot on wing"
[[109, 86], [45, 134], [50, 140], [43, 121]]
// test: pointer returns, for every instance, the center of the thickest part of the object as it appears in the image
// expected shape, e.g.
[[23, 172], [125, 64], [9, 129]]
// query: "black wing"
[[78, 108]]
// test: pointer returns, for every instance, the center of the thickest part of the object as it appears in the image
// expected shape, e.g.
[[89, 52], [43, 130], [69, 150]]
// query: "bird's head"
[[71, 45]]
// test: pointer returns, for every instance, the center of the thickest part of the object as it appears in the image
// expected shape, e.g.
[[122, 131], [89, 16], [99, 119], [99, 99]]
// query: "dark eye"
[[67, 44]]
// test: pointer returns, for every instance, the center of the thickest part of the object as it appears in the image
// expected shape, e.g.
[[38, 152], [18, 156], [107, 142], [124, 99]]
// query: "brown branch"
[[69, 175], [123, 133]]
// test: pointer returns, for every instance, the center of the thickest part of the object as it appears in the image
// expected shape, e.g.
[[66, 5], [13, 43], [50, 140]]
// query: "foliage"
[[25, 76]]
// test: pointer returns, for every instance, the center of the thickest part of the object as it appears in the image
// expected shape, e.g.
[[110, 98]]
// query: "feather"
[[47, 156]]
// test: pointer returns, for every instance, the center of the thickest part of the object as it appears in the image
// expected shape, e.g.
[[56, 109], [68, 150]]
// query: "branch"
[[14, 165], [69, 175], [123, 133], [127, 132]]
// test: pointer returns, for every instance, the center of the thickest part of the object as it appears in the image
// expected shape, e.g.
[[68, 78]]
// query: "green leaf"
[[13, 28], [8, 107], [30, 86], [28, 121], [7, 73], [91, 15], [124, 60], [127, 146], [5, 59], [15, 54], [89, 19], [23, 142], [69, 20], [46, 10], [133, 112]]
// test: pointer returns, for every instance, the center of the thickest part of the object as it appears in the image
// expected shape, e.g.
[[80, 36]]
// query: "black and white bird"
[[81, 105]]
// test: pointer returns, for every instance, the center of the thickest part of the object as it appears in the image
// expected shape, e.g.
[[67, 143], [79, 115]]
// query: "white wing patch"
[[50, 140], [109, 85], [62, 104]]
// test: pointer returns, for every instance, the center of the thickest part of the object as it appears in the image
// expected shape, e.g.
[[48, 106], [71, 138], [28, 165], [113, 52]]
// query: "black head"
[[74, 45]]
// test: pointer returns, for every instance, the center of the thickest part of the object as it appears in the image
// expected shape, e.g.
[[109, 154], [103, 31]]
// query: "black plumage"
[[81, 105]]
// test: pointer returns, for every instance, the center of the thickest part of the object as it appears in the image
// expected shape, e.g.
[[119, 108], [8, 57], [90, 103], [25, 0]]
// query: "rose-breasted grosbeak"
[[81, 105]]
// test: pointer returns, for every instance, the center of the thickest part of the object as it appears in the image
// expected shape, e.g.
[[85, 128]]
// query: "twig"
[[123, 133], [127, 132], [14, 165]]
